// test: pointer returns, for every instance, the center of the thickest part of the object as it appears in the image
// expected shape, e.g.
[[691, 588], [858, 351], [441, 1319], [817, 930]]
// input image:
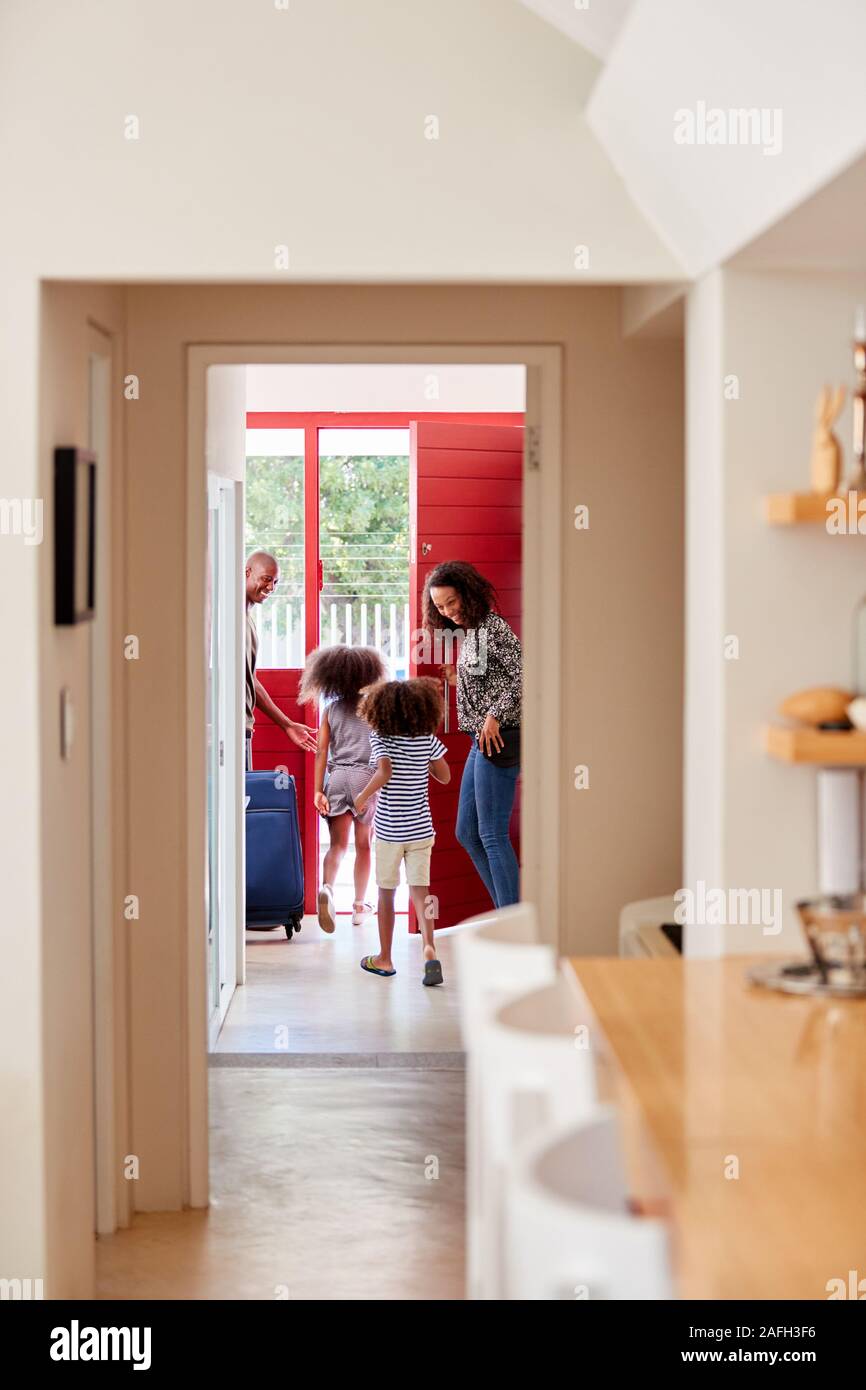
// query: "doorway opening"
[[339, 1021], [340, 499], [360, 492]]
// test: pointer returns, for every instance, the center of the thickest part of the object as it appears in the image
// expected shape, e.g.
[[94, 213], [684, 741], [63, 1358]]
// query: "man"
[[262, 578]]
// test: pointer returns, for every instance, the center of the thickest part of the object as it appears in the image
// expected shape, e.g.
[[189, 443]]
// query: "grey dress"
[[348, 761]]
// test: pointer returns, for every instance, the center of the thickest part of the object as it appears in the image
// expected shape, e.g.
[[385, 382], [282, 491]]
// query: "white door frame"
[[543, 746]]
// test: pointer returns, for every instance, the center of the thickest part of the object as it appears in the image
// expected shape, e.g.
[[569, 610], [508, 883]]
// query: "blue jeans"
[[483, 815]]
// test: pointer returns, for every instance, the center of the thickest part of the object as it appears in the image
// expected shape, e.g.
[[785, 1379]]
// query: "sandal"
[[367, 964], [360, 913], [432, 973]]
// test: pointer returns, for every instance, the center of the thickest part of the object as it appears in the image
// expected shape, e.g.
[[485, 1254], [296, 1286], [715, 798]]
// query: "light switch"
[[67, 723]]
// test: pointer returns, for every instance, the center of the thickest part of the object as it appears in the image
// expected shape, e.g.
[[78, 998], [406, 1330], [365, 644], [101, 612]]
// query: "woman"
[[488, 680]]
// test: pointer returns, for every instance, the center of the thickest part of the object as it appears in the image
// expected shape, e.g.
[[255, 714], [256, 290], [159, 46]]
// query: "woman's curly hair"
[[477, 595], [339, 673], [410, 707]]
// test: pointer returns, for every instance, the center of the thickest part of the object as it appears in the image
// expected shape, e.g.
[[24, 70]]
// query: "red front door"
[[465, 503]]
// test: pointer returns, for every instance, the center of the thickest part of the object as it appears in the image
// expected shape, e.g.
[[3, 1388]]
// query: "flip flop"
[[374, 969], [432, 973]]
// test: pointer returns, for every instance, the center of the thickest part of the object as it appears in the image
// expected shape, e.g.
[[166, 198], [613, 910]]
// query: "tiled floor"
[[334, 1185], [310, 996]]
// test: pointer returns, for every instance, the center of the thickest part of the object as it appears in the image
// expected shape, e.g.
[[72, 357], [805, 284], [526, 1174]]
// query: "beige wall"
[[621, 651], [22, 575], [65, 660]]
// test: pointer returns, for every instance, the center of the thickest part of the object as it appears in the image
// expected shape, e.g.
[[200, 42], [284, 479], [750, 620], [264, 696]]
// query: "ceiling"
[[827, 232], [595, 27]]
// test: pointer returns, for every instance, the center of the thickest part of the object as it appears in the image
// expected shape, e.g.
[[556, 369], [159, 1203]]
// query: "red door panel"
[[465, 503], [485, 549], [474, 492], [451, 522], [434, 434], [453, 463], [271, 748]]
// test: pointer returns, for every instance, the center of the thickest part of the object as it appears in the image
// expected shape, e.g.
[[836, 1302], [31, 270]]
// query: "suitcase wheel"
[[289, 930]]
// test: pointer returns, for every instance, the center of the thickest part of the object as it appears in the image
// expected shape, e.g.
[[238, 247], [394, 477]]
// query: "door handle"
[[321, 576], [426, 547]]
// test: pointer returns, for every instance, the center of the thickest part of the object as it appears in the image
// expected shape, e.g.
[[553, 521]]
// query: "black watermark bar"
[[163, 1338]]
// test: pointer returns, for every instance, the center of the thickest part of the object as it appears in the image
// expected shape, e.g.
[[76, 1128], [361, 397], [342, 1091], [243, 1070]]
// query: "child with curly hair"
[[405, 751], [340, 674]]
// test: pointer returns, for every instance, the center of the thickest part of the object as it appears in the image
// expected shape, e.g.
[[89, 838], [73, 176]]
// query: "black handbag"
[[509, 753]]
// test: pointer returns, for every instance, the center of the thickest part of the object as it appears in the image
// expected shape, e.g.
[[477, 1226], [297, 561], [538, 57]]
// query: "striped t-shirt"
[[403, 811]]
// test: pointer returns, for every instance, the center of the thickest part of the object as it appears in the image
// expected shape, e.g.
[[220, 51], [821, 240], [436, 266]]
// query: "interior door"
[[224, 635], [465, 503], [224, 735]]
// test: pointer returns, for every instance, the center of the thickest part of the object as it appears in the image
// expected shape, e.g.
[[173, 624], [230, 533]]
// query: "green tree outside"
[[364, 527]]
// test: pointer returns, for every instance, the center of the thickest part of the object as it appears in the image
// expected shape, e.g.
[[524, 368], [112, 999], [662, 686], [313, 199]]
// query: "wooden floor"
[[335, 1185]]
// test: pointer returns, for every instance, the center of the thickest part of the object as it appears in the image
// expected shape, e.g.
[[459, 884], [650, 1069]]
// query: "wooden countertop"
[[716, 1074]]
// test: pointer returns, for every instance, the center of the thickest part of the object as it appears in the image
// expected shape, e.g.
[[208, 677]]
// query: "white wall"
[[703, 768], [707, 201], [262, 127], [787, 593], [374, 388]]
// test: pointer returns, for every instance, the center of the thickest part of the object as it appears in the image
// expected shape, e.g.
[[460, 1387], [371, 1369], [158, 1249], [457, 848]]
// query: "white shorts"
[[390, 855]]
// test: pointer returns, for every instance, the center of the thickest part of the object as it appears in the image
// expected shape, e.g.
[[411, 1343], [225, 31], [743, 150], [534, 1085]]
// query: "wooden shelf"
[[821, 747], [794, 508]]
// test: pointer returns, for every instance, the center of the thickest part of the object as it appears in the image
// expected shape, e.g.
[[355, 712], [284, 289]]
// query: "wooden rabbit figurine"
[[826, 449]]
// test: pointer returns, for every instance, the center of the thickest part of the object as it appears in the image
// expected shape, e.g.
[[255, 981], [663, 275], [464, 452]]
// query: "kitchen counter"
[[744, 1117]]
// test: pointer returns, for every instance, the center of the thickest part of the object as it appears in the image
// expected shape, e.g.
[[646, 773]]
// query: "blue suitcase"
[[275, 866]]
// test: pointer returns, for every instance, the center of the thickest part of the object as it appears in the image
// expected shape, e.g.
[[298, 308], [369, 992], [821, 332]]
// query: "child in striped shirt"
[[405, 751]]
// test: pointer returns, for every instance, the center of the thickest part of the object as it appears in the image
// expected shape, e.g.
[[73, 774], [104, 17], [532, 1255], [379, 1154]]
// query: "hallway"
[[319, 1190]]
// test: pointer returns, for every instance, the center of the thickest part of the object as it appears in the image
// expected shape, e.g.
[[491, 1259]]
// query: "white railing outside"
[[383, 626]]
